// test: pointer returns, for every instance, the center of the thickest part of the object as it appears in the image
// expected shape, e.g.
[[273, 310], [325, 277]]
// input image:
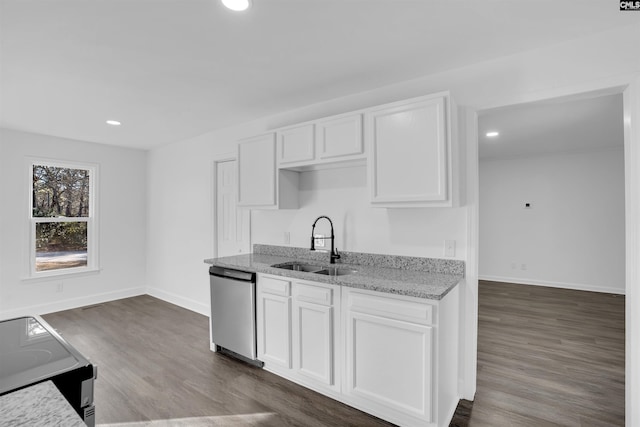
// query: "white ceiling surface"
[[552, 126], [174, 69]]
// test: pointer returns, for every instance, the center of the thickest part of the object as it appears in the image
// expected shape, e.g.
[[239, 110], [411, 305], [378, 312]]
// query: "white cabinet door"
[[340, 136], [296, 144], [274, 329], [408, 146], [389, 364], [315, 326], [313, 339], [257, 171]]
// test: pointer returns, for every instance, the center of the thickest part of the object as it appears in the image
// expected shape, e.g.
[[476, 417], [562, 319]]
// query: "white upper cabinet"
[[260, 184], [257, 171], [340, 136], [326, 141], [296, 144], [409, 145]]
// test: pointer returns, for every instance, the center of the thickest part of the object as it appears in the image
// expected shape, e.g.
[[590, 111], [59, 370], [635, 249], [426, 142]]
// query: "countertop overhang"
[[400, 281]]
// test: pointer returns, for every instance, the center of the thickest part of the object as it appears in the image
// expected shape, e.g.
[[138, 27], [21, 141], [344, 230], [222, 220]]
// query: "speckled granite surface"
[[431, 265], [383, 273], [40, 405]]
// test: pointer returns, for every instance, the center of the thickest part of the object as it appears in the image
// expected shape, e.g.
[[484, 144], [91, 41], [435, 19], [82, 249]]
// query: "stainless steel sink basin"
[[316, 269], [308, 268], [336, 271]]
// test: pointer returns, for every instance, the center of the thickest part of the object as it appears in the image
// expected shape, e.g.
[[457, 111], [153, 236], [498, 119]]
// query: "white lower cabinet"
[[315, 332], [273, 313], [392, 356], [397, 373], [299, 324], [390, 347]]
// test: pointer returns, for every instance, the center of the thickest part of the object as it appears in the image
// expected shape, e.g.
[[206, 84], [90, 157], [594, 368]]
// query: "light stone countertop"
[[409, 281], [40, 405]]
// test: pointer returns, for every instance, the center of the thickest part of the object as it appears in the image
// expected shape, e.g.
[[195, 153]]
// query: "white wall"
[[632, 222], [180, 224], [573, 234], [343, 195], [122, 222]]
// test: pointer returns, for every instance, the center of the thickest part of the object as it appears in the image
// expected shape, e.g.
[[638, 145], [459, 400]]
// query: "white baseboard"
[[564, 285], [71, 303], [178, 300]]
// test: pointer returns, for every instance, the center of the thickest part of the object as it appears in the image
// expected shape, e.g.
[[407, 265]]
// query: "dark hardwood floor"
[[154, 363], [546, 357]]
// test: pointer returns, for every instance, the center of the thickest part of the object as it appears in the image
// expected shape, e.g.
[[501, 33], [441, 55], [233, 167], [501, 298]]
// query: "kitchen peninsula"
[[383, 337]]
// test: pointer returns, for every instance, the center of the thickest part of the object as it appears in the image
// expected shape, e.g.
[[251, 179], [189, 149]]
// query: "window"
[[63, 218]]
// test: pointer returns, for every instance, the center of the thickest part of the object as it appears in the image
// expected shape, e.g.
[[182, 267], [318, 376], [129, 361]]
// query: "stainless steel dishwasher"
[[233, 313]]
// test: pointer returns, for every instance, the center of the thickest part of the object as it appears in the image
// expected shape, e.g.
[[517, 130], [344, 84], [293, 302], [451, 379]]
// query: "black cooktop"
[[32, 351]]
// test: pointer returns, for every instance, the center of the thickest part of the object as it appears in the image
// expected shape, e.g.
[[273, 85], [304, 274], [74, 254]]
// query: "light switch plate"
[[319, 240]]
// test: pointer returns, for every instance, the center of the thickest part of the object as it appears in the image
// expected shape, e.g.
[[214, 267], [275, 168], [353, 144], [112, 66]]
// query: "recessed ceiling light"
[[492, 134], [113, 122], [237, 5]]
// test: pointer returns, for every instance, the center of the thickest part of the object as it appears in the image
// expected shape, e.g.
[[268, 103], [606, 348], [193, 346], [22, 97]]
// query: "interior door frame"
[[226, 157], [629, 86]]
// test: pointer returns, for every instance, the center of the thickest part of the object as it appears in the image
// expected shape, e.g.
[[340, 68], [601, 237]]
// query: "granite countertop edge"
[[39, 405], [420, 284]]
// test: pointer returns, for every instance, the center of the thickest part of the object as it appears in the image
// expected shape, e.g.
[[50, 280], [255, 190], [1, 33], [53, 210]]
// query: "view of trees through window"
[[60, 210]]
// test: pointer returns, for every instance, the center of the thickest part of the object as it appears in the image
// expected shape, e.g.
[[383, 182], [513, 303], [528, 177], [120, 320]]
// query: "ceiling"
[[552, 126], [174, 69]]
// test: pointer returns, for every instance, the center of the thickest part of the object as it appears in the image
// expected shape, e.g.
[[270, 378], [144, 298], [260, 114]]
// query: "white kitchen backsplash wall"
[[572, 235], [343, 195]]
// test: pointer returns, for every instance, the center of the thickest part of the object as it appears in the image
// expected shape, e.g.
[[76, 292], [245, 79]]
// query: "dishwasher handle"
[[245, 276]]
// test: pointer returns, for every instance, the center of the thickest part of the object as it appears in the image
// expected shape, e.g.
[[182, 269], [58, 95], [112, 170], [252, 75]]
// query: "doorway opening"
[[552, 214]]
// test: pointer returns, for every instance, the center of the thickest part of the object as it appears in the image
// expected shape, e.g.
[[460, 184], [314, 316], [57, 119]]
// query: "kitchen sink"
[[308, 268], [336, 271], [316, 269]]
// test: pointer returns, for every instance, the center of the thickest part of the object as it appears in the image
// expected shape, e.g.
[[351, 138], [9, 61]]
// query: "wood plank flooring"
[[546, 357], [154, 363]]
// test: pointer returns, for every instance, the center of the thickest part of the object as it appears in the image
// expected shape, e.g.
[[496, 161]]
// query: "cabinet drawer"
[[275, 286], [314, 294], [391, 307]]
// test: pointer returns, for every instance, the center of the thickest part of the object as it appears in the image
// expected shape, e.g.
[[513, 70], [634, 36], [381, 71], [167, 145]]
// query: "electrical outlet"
[[59, 286], [319, 238], [286, 237], [449, 248], [513, 266], [523, 266]]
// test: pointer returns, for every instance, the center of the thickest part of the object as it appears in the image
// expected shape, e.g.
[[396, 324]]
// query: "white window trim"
[[93, 255]]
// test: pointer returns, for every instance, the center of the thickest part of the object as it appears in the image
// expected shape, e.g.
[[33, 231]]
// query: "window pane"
[[61, 245], [60, 192]]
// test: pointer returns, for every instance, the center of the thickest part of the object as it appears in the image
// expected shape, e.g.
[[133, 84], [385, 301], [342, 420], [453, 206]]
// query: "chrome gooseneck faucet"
[[333, 255]]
